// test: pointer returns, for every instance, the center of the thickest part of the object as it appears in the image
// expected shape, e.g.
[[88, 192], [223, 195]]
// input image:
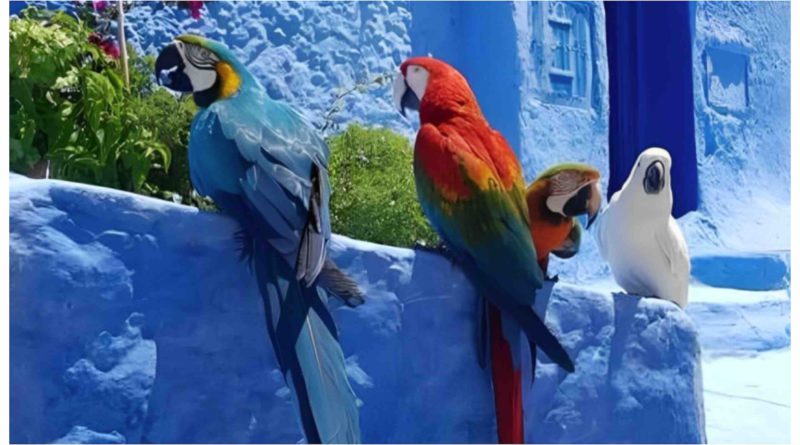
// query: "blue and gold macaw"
[[265, 166]]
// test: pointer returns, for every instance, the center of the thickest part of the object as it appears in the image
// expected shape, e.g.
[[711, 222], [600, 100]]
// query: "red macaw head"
[[429, 85]]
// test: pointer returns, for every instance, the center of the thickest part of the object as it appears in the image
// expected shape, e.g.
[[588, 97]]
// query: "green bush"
[[374, 197], [70, 106]]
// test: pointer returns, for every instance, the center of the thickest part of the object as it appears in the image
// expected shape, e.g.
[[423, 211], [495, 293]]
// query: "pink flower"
[[99, 5], [195, 7], [111, 48]]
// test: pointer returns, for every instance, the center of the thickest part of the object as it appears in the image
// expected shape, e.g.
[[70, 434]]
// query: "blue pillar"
[[651, 95]]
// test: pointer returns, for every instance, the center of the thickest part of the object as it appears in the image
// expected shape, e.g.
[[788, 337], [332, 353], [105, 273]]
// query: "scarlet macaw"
[[470, 185]]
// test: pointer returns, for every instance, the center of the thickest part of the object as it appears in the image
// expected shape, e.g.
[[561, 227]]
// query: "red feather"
[[456, 147], [459, 134], [507, 385]]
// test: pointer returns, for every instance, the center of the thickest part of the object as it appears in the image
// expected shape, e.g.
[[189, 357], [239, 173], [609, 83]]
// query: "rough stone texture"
[[131, 319], [743, 124], [743, 270], [306, 53]]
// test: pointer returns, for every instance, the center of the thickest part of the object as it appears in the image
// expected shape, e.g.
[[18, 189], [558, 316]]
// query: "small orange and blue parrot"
[[555, 200], [470, 186]]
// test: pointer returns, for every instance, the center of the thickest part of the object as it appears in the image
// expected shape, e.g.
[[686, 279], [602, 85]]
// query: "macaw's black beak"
[[570, 247], [578, 203], [595, 201], [586, 201], [409, 100], [169, 70], [592, 217]]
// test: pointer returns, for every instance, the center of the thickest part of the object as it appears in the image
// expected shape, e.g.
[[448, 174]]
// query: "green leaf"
[[373, 191], [68, 102]]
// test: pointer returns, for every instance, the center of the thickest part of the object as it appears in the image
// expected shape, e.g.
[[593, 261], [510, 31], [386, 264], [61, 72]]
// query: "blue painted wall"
[[743, 123], [148, 329]]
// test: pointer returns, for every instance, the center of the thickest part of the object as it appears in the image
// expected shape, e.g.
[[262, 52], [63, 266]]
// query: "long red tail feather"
[[507, 383]]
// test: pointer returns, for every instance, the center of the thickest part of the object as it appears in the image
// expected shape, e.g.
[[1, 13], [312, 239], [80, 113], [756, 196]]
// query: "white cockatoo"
[[638, 236]]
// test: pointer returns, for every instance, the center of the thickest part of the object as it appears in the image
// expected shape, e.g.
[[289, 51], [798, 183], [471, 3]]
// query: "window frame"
[[546, 48]]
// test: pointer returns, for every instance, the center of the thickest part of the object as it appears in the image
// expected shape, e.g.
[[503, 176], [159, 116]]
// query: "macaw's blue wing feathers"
[[483, 332], [287, 176], [311, 256], [266, 167], [276, 209]]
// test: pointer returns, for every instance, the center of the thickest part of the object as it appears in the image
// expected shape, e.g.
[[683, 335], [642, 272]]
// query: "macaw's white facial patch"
[[417, 80], [200, 65], [563, 186], [556, 203], [398, 90]]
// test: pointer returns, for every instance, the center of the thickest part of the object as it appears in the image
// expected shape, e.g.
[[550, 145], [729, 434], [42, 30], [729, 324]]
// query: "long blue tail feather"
[[296, 380], [305, 340], [265, 166]]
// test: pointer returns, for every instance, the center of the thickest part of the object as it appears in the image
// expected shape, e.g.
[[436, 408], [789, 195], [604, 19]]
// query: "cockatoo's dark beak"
[[169, 70], [654, 178]]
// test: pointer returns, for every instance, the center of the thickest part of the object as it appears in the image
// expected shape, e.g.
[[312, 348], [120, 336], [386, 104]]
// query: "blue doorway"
[[650, 92]]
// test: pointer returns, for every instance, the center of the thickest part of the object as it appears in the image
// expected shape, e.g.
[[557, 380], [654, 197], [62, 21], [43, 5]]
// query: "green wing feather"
[[490, 227]]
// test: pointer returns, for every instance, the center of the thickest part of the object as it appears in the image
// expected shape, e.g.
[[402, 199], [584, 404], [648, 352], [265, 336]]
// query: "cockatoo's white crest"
[[649, 184]]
